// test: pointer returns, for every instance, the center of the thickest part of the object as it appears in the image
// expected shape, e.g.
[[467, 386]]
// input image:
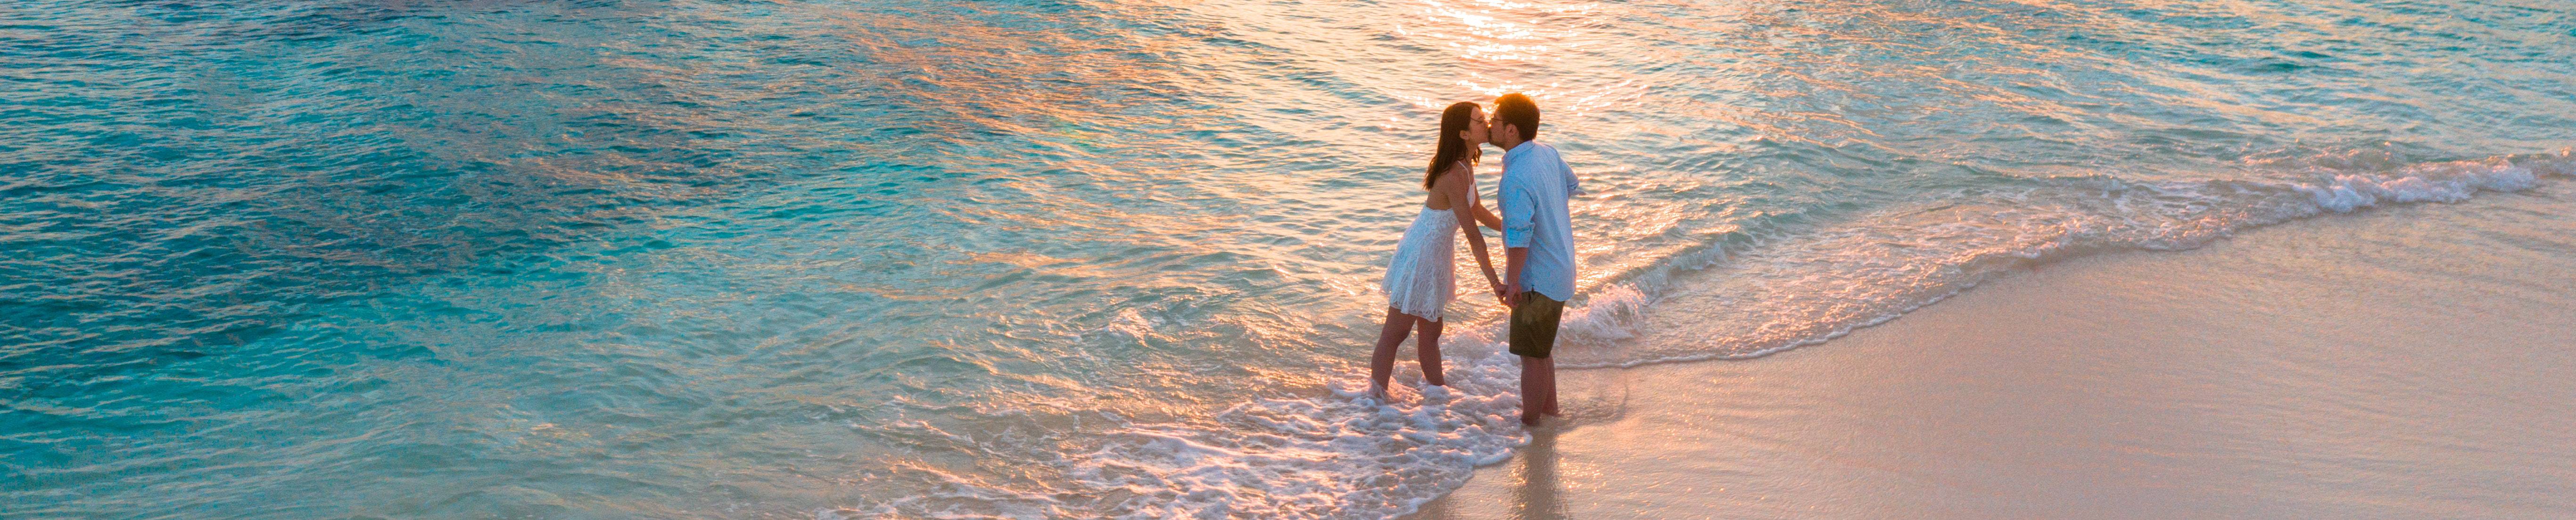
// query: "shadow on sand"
[[1537, 495]]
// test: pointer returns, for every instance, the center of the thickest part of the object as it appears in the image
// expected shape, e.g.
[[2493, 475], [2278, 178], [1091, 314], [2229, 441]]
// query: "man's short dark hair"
[[1517, 110]]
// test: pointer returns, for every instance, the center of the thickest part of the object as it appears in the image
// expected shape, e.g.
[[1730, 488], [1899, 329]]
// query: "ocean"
[[1072, 258]]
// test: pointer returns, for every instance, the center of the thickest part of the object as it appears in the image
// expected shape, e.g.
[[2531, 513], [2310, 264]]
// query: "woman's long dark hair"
[[1452, 121]]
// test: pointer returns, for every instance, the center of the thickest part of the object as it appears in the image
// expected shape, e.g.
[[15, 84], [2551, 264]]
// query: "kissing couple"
[[1538, 246]]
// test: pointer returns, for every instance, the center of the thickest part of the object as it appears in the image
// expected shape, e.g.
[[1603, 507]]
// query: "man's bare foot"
[[1529, 421]]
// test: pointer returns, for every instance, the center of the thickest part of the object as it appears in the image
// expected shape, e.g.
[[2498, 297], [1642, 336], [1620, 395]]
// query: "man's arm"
[[1513, 259], [1573, 186]]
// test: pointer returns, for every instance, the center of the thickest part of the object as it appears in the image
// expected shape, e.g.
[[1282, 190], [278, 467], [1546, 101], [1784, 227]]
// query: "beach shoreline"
[[2406, 361]]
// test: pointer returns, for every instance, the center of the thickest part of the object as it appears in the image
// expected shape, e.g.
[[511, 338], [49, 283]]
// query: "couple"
[[1538, 258]]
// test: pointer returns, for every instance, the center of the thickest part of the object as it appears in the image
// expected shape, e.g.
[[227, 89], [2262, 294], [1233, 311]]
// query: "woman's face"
[[1476, 134]]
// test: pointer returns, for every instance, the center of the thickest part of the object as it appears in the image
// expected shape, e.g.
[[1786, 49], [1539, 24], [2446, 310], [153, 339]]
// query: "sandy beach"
[[2411, 361]]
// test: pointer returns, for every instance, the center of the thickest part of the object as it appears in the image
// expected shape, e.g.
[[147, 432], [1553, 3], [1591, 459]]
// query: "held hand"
[[1498, 293], [1512, 297]]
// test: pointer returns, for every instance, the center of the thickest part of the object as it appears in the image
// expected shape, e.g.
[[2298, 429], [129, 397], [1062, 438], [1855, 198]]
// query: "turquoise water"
[[1068, 259]]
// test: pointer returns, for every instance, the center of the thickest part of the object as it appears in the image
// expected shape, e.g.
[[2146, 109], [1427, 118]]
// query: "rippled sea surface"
[[1069, 258]]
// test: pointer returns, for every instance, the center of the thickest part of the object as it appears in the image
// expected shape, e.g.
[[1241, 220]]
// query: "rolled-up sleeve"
[[1517, 204]]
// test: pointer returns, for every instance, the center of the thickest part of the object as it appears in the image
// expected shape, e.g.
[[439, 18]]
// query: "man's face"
[[1477, 132], [1497, 132]]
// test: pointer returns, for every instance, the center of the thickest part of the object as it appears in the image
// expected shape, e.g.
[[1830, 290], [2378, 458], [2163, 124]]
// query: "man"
[[1538, 247]]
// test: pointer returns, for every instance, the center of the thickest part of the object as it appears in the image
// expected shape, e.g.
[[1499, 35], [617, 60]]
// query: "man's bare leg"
[[1531, 387], [1547, 386]]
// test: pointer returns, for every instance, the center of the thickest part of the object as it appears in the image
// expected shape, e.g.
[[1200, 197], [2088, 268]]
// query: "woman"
[[1421, 278]]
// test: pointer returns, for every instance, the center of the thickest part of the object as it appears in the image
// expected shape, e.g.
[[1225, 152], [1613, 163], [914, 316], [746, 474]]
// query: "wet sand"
[[2408, 362]]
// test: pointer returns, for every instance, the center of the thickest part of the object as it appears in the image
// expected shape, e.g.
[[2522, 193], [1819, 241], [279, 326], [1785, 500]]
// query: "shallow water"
[[1068, 259]]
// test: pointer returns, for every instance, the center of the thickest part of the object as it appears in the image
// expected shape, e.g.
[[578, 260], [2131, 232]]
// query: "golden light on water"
[[1496, 34], [1478, 36]]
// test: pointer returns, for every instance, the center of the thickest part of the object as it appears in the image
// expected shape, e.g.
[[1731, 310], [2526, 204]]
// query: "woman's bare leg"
[[1428, 349], [1382, 362]]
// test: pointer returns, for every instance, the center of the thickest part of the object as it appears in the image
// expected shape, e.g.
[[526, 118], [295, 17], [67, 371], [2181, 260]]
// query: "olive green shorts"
[[1534, 325]]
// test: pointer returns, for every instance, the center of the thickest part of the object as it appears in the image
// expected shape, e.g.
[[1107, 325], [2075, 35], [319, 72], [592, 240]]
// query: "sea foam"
[[2438, 182]]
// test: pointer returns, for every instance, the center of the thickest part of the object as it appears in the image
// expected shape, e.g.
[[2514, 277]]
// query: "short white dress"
[[1423, 276]]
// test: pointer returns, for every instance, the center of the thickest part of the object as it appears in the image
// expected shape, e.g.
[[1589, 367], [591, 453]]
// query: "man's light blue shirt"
[[1535, 188]]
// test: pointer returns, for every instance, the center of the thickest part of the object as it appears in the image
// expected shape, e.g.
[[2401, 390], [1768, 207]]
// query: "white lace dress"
[[1423, 275]]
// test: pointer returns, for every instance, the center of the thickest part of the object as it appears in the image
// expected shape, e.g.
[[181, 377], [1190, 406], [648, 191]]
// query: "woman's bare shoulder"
[[1458, 173], [1458, 169]]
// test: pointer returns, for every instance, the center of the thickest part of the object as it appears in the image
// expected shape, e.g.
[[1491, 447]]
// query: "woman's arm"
[[1461, 187], [1484, 216], [1472, 199]]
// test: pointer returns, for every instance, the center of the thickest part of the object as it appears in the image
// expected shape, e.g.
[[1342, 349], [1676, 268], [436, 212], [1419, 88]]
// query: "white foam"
[[1609, 314], [1343, 456], [2438, 182]]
